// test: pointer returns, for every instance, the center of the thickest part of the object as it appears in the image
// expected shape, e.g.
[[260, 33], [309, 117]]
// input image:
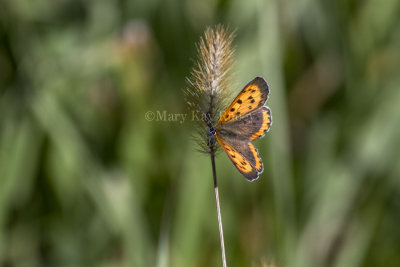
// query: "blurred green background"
[[86, 180]]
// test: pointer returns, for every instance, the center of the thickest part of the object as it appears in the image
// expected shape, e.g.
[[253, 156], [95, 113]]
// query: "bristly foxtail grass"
[[209, 81], [206, 93]]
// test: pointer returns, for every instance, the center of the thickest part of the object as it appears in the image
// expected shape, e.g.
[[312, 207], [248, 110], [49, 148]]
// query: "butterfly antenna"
[[206, 117]]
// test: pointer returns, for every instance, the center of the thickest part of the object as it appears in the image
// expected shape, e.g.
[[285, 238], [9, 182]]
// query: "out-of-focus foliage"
[[87, 180]]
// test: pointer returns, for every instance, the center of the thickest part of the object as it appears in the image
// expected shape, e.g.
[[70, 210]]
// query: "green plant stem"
[[221, 232]]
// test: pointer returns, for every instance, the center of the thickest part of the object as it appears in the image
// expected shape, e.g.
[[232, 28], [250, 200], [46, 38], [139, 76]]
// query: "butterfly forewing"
[[253, 96]]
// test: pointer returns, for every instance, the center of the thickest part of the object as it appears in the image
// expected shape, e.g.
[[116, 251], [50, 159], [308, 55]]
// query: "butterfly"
[[245, 120]]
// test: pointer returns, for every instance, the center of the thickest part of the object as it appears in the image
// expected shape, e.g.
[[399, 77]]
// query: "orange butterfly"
[[245, 120]]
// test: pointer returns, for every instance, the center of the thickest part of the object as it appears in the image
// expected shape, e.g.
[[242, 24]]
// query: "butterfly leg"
[[211, 129]]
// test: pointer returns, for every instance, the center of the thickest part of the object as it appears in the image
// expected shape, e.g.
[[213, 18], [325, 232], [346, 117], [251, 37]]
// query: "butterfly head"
[[212, 131], [211, 136]]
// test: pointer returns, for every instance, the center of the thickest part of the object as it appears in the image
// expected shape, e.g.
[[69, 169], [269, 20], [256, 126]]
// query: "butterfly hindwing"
[[244, 156], [258, 162], [253, 96], [265, 114], [249, 127]]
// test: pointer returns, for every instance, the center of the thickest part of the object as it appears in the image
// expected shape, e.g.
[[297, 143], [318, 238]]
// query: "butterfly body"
[[245, 120]]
